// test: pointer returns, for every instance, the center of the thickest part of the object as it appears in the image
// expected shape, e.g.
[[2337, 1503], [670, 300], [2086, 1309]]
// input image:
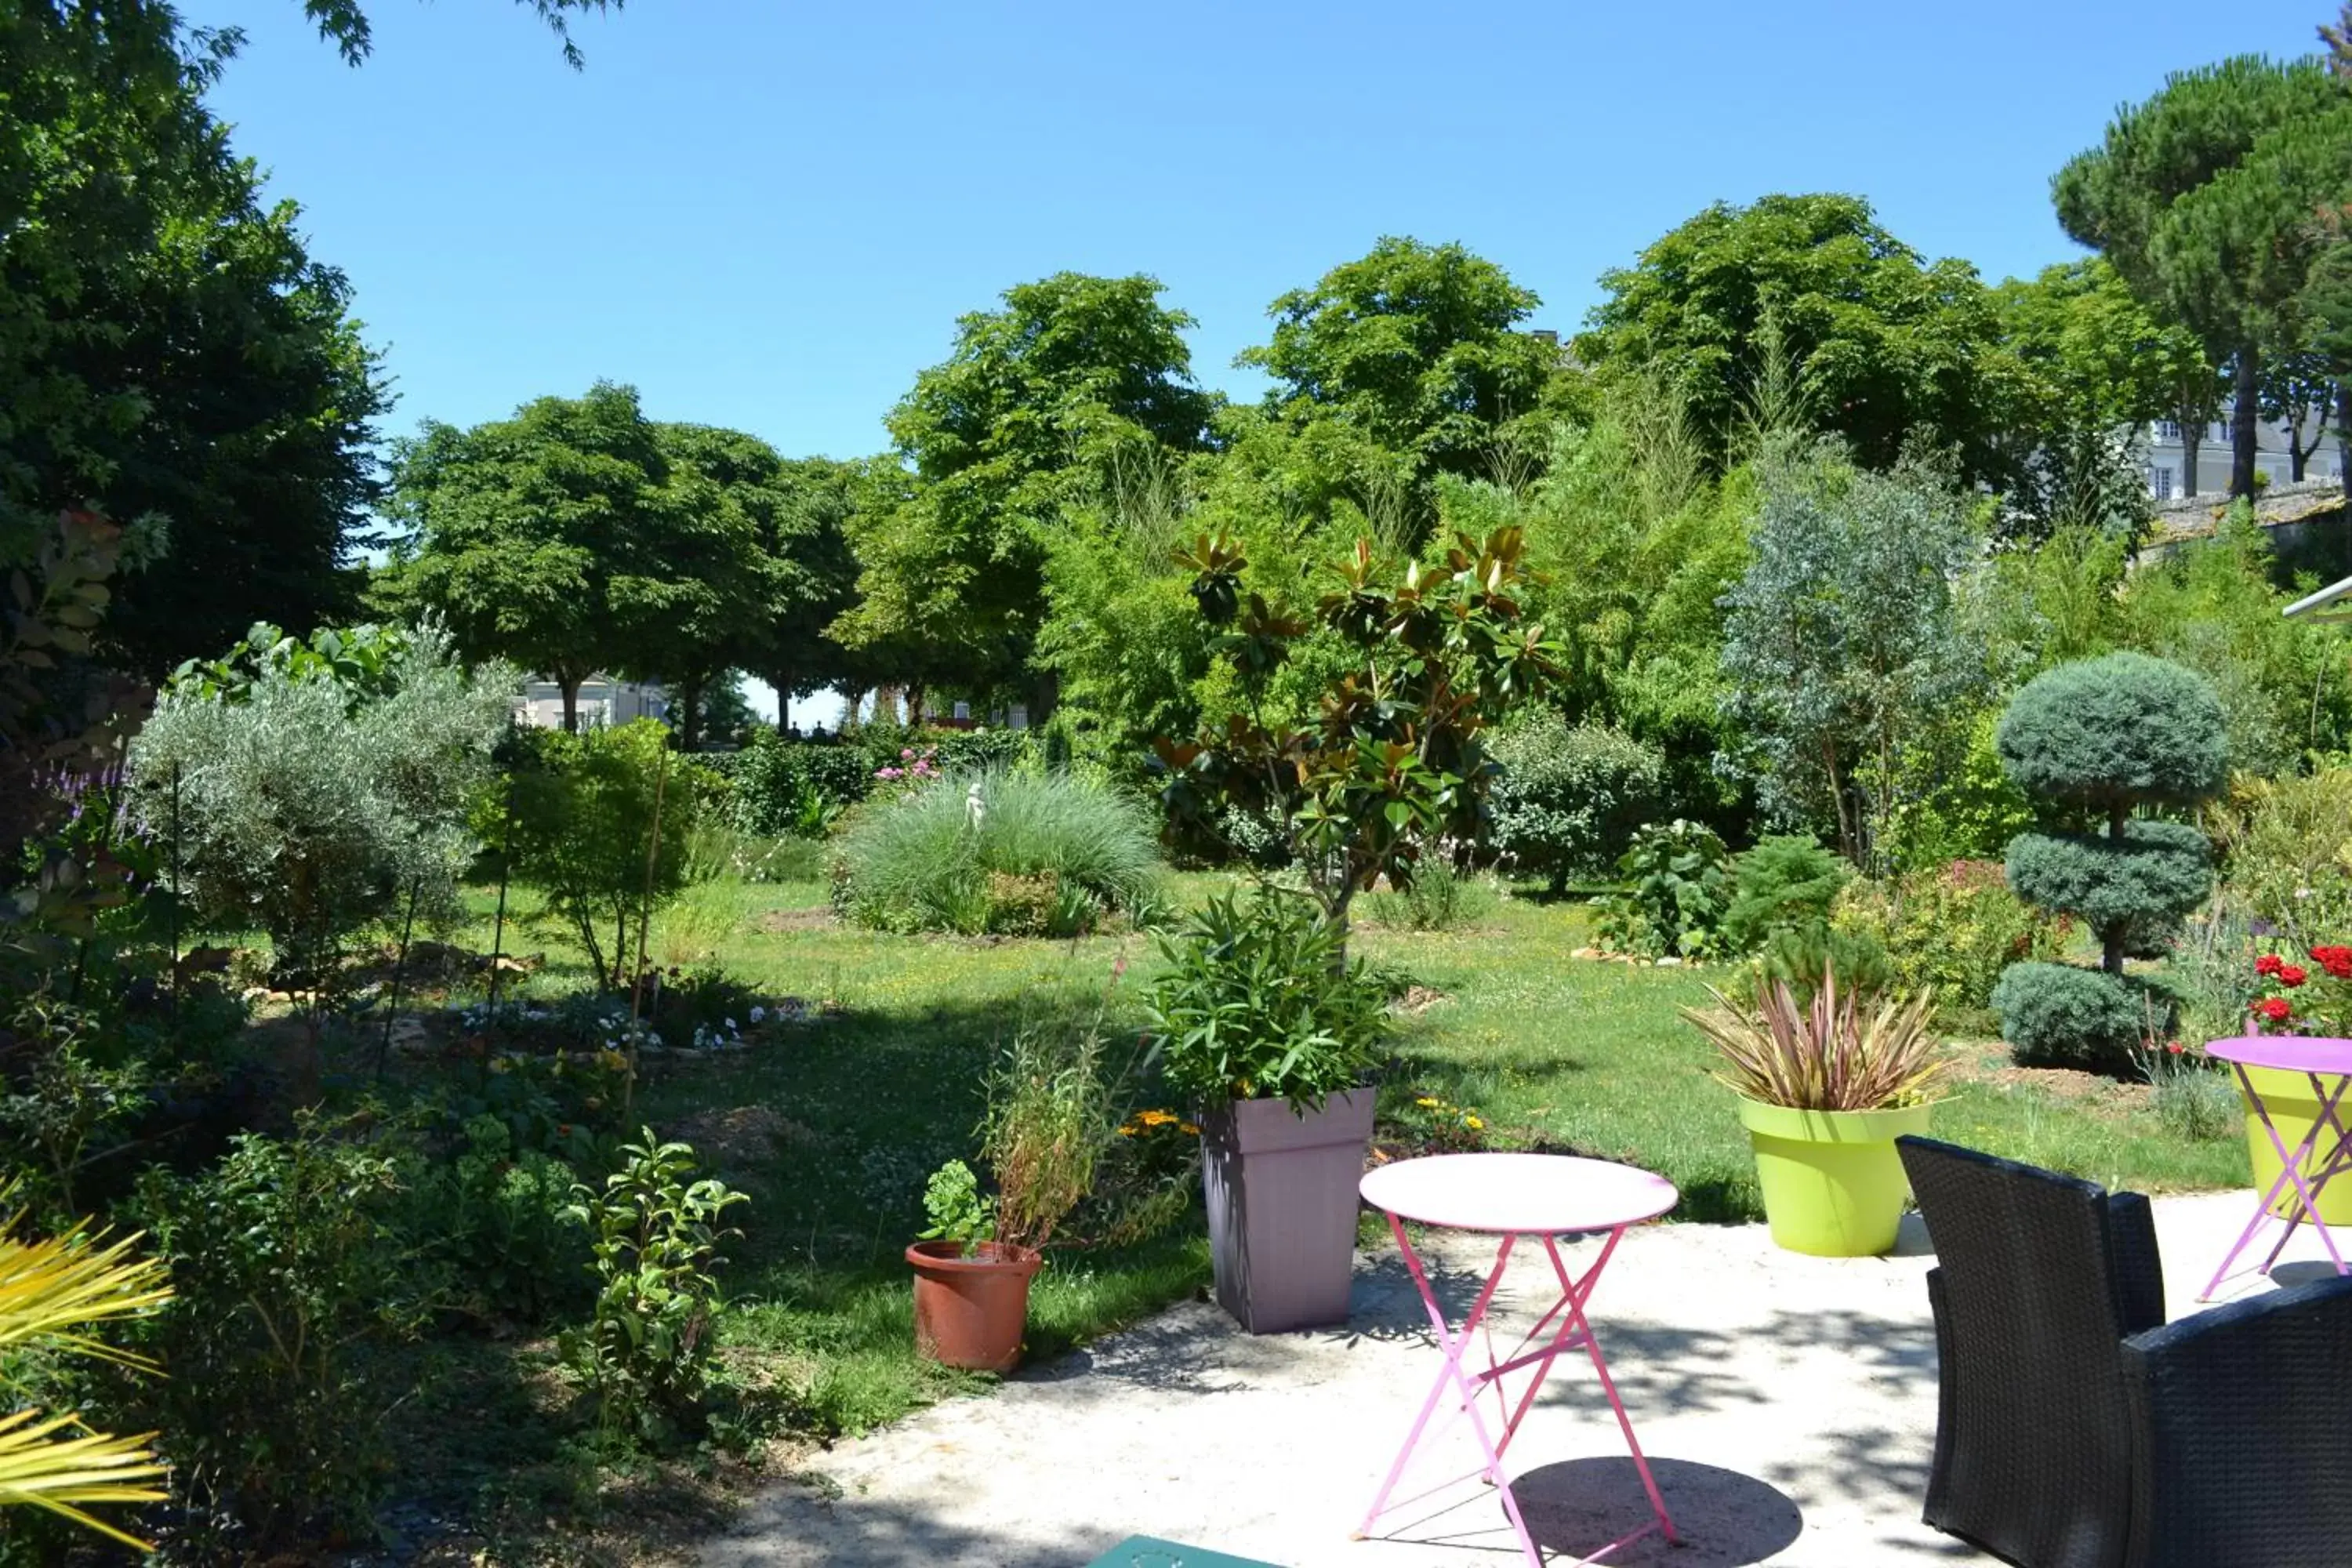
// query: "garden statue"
[[2093, 741]]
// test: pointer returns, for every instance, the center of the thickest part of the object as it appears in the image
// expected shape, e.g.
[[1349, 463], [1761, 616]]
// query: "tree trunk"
[[2297, 457], [689, 713], [2111, 941], [570, 688], [783, 681], [2191, 437], [914, 707], [2344, 434], [2245, 422]]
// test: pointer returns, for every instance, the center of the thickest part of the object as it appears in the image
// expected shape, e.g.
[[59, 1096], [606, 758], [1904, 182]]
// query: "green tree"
[[810, 579], [719, 586], [1416, 346], [1841, 644], [1881, 342], [2206, 199], [1025, 419], [2084, 366], [170, 355], [566, 540], [344, 23], [2298, 392]]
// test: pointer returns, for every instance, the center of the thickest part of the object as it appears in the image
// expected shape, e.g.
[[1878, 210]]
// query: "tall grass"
[[1016, 853]]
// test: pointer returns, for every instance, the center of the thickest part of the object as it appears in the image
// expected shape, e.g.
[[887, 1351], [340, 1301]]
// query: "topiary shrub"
[[1954, 929], [2061, 1014], [1569, 798], [2100, 739], [1787, 881]]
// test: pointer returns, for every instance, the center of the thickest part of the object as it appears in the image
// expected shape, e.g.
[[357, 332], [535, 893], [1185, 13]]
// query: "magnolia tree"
[[2095, 742], [1425, 660]]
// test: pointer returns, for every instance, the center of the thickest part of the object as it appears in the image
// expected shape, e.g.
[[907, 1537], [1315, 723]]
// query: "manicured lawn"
[[832, 1128]]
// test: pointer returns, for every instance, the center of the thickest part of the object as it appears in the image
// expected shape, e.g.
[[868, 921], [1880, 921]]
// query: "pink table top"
[[2293, 1053], [1527, 1195]]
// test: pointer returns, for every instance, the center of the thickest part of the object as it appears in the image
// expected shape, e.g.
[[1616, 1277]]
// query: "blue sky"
[[768, 214]]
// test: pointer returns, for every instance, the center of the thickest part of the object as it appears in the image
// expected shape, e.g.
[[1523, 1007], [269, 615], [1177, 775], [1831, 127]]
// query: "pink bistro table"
[[2317, 1060], [1544, 1196]]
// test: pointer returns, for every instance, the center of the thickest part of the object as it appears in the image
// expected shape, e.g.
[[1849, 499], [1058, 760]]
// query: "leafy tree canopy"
[[1883, 343], [1039, 400], [169, 352], [577, 536], [1416, 346]]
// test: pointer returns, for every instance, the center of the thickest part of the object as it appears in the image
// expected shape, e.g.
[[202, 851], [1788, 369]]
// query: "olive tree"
[[2095, 742]]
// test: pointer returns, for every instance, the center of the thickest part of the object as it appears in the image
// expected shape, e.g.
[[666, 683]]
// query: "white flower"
[[759, 1015], [730, 1024]]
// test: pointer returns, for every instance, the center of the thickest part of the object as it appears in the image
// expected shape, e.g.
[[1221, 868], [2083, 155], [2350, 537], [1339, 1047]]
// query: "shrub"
[[1798, 957], [2057, 1015], [656, 1233], [495, 1220], [786, 786], [1787, 880], [1678, 887], [1257, 1003], [1049, 1121], [285, 1257], [1569, 798], [2196, 1101], [2285, 847], [309, 807], [584, 832], [2103, 737], [1952, 930], [1045, 854]]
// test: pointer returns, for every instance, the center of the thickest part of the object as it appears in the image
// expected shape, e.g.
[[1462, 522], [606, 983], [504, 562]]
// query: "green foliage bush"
[[308, 807], [782, 785], [1799, 956], [1678, 886], [1441, 897], [1787, 880], [584, 832], [1570, 797], [2285, 845], [2060, 1014], [493, 1218], [1039, 854], [1257, 1004], [285, 1259], [655, 1232], [1955, 928]]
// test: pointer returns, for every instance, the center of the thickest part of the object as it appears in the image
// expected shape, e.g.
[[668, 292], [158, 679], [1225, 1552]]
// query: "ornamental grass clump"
[[1837, 1050], [1013, 854]]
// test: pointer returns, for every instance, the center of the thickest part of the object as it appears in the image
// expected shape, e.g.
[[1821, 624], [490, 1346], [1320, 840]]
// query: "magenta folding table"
[[1542, 1197], [2327, 1147]]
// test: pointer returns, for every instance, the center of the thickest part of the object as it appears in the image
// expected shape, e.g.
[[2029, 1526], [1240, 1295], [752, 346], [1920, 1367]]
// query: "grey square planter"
[[1282, 1207]]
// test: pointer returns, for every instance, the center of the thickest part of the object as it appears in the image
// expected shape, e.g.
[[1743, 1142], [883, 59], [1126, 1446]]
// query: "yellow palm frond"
[[50, 1288], [40, 1468]]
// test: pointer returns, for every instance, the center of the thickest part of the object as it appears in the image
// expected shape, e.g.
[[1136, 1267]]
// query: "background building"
[[602, 701]]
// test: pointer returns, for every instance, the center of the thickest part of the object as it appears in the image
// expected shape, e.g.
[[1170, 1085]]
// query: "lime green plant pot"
[[1833, 1185], [2292, 1109]]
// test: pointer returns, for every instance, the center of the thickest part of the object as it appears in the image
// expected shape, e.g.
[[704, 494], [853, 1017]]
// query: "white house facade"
[[2167, 456], [602, 701]]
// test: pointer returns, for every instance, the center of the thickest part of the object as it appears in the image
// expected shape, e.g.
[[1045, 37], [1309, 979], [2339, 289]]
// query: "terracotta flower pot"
[[971, 1310]]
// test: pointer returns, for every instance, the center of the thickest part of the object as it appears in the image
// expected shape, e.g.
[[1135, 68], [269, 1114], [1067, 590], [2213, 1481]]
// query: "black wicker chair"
[[2076, 1431]]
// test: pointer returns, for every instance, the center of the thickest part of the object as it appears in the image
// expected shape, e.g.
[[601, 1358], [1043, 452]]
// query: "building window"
[[2167, 429], [2160, 481]]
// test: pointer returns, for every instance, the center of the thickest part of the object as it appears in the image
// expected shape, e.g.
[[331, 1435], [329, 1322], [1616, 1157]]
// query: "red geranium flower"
[[2291, 976], [2268, 963], [2274, 1009], [2173, 1046]]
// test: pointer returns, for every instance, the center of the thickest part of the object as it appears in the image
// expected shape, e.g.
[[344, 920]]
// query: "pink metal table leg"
[[2291, 1164], [1573, 1331]]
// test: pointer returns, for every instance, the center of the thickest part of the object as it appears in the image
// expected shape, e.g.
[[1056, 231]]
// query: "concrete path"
[[1787, 1405]]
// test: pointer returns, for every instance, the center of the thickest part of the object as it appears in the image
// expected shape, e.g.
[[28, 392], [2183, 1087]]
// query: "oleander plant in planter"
[[1050, 1118], [1827, 1082], [1262, 1019]]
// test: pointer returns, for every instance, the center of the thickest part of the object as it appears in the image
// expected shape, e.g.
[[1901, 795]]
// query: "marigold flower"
[[1427, 1102], [1472, 1123], [1187, 1129]]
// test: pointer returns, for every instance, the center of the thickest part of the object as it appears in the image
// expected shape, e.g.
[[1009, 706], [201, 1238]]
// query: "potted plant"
[[2312, 999], [1826, 1084], [1261, 1018], [1049, 1118]]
